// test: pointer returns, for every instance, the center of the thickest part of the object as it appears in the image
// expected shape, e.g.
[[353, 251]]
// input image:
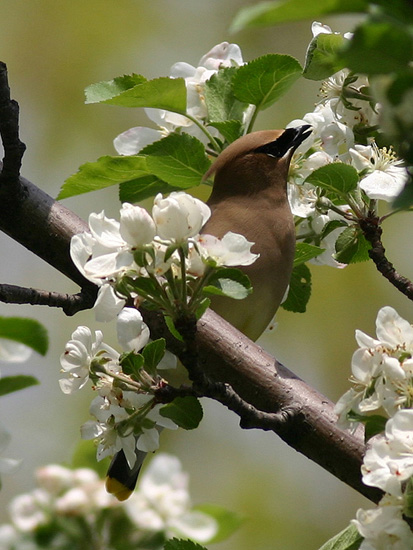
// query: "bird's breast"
[[271, 229]]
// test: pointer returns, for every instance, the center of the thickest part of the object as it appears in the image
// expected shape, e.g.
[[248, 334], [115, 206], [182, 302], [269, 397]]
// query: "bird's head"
[[256, 161]]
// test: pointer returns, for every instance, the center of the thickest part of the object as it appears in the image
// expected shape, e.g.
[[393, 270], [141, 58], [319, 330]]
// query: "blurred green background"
[[54, 49]]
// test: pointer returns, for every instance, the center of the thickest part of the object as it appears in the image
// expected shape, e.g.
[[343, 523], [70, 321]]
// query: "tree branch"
[[9, 131], [299, 414], [70, 303], [372, 231]]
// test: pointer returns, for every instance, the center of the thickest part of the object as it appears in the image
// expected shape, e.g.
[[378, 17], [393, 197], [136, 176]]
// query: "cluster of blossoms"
[[126, 415], [344, 124], [381, 398], [219, 57], [155, 257], [71, 509], [160, 260]]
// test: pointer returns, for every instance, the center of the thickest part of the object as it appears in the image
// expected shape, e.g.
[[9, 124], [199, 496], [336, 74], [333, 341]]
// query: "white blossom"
[[232, 250], [389, 459], [136, 226], [162, 503], [54, 478], [77, 358], [385, 177], [108, 304], [133, 333], [382, 368], [109, 440], [30, 510], [336, 138], [383, 528], [148, 441], [133, 140], [179, 216]]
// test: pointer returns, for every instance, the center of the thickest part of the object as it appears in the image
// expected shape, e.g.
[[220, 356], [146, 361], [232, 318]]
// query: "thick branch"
[[9, 132], [43, 226], [70, 303], [299, 414]]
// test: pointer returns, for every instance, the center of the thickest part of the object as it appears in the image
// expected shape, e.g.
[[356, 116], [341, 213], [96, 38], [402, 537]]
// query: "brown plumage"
[[250, 197]]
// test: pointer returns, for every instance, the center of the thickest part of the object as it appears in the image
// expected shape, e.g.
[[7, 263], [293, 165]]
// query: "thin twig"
[[373, 231]]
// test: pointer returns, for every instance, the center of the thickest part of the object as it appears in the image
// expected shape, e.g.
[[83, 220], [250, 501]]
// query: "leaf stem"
[[252, 120], [211, 138]]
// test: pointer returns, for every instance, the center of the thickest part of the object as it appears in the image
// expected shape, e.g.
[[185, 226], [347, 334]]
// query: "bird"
[[249, 197]]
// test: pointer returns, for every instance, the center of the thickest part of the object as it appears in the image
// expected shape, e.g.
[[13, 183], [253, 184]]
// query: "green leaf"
[[231, 282], [159, 93], [177, 544], [25, 331], [153, 353], [331, 226], [186, 412], [337, 178], [272, 13], [172, 328], [201, 309], [374, 424], [321, 58], [305, 252], [230, 129], [348, 539], [265, 79], [143, 188], [178, 159], [222, 105], [104, 172], [102, 91], [228, 522], [351, 246], [9, 384], [378, 48], [300, 290], [142, 285], [132, 363]]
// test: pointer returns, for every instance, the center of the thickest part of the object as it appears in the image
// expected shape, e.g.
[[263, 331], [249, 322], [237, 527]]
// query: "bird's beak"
[[288, 141], [298, 135]]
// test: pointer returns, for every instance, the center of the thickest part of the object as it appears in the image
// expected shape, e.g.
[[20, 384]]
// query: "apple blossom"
[[385, 177], [162, 503], [383, 528], [223, 55], [389, 459], [133, 333], [179, 216], [79, 354], [382, 368], [232, 250]]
